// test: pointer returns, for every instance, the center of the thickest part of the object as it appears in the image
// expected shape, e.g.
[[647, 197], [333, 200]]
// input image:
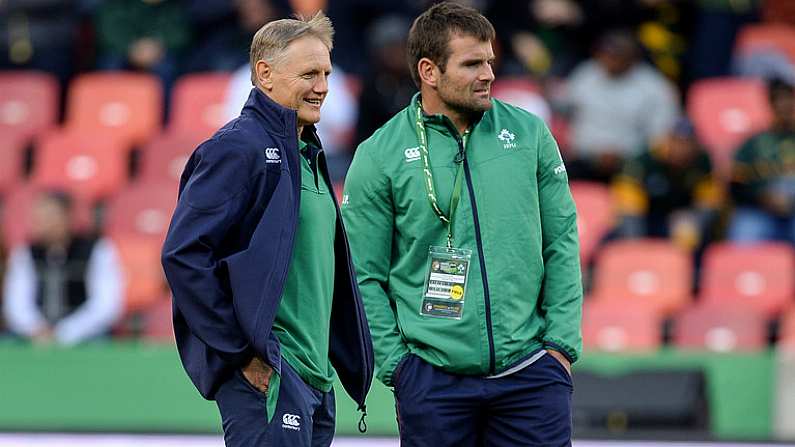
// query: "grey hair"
[[271, 41]]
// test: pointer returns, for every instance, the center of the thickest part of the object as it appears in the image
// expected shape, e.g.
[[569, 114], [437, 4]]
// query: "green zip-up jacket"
[[517, 216]]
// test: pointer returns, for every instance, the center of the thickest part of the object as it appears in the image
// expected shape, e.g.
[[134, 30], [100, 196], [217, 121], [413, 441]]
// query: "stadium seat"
[[725, 112], [786, 327], [90, 166], [198, 104], [127, 105], [140, 259], [777, 37], [12, 149], [620, 327], [648, 271], [522, 92], [594, 215], [761, 275], [157, 322], [16, 216], [720, 328], [28, 102], [164, 158], [142, 209]]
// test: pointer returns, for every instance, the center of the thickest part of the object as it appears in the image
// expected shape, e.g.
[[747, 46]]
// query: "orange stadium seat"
[[198, 104], [786, 328], [594, 215], [725, 112], [157, 321], [652, 272], [164, 158], [618, 327], [777, 37], [761, 275], [721, 328], [142, 209], [28, 102], [128, 105], [16, 216], [11, 157], [90, 166], [140, 260]]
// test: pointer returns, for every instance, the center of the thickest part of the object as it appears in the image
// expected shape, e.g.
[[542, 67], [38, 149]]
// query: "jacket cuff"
[[568, 352], [387, 371]]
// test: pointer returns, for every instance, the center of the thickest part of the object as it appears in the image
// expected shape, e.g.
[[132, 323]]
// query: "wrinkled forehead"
[[306, 53], [466, 46]]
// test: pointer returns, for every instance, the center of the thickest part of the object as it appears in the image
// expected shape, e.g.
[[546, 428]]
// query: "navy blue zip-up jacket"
[[229, 247]]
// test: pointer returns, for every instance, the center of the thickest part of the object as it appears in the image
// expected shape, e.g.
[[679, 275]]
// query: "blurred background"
[[676, 120]]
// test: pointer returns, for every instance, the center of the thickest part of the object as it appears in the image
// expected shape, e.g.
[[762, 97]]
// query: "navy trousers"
[[304, 416], [531, 407]]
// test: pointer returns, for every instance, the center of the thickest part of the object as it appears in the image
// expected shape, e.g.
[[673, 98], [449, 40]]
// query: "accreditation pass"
[[446, 282]]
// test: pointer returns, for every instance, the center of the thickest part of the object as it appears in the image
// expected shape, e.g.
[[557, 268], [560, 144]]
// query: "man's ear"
[[264, 74], [429, 72]]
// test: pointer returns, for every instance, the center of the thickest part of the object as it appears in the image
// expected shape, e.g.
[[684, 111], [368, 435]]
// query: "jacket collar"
[[278, 119], [438, 121]]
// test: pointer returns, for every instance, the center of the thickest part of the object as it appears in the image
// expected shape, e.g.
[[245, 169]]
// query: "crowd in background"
[[610, 77]]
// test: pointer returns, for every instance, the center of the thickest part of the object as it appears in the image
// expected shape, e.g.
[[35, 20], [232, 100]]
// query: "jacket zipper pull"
[[362, 423], [461, 155]]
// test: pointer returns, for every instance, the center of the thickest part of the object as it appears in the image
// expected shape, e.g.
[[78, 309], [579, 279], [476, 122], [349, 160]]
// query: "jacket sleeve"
[[562, 284], [369, 218], [212, 199]]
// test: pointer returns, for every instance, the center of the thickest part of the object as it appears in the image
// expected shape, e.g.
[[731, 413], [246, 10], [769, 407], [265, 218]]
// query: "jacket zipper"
[[479, 241]]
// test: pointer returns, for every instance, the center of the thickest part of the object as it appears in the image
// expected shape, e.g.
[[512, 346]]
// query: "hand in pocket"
[[258, 374]]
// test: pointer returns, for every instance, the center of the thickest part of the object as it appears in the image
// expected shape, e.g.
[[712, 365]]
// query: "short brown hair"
[[430, 34], [273, 38]]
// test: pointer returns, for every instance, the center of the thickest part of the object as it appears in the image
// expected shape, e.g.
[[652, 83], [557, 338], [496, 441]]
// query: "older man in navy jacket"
[[265, 298]]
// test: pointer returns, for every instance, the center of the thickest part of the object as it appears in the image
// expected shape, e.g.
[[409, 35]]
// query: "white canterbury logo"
[[346, 199], [272, 154], [412, 154], [291, 422], [560, 169]]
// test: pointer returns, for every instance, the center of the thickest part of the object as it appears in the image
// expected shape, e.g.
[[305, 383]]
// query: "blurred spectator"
[[353, 18], [618, 105], [63, 288], [389, 88], [716, 27], [39, 35], [224, 30], [763, 175], [145, 35], [670, 191]]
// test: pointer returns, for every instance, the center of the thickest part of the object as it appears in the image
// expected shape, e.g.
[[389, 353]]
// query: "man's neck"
[[300, 131], [432, 105]]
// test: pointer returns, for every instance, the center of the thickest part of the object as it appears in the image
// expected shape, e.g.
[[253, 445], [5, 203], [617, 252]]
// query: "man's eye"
[[307, 76]]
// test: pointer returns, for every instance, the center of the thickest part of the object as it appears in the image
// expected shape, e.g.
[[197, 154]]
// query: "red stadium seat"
[[140, 259], [164, 158], [16, 215], [761, 275], [725, 112], [777, 37], [90, 166], [143, 209], [721, 328], [198, 104], [127, 105], [28, 102], [620, 327], [652, 272], [11, 161], [594, 215]]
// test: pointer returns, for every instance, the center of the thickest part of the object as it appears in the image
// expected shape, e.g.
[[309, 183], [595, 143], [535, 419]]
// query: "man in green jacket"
[[464, 238]]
